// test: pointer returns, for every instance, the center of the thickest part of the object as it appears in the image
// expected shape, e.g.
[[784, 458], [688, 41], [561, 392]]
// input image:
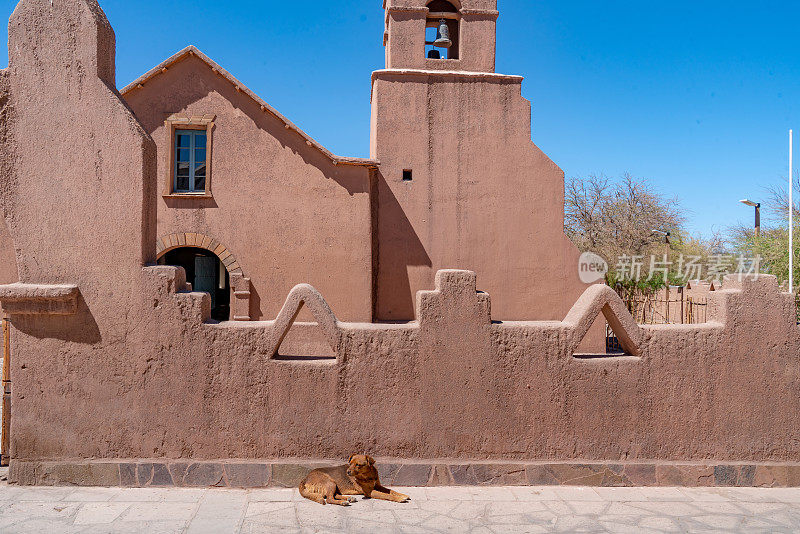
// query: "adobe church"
[[248, 203]]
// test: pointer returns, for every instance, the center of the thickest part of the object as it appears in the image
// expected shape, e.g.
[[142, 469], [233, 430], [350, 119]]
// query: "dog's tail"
[[305, 492]]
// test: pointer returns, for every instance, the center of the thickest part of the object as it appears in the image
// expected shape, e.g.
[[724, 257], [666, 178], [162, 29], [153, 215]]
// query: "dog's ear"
[[350, 459], [371, 460]]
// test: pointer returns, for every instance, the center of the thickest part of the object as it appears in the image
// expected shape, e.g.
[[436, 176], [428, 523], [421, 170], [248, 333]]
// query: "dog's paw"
[[352, 499]]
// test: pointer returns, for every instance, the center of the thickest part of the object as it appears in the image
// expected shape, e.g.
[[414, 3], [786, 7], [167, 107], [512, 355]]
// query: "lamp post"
[[757, 206], [666, 240], [665, 234], [666, 275]]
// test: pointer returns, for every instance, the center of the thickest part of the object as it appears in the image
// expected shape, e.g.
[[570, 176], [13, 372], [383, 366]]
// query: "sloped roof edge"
[[191, 50]]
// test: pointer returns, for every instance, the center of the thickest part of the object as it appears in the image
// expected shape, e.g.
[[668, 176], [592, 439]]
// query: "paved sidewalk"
[[461, 509]]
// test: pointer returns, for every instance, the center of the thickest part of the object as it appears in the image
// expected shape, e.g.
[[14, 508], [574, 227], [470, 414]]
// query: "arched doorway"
[[236, 302], [206, 272]]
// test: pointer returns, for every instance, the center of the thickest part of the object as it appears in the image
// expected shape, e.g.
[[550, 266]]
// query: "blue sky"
[[697, 97]]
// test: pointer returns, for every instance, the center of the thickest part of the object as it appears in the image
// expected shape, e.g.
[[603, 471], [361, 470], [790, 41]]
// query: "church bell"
[[443, 37]]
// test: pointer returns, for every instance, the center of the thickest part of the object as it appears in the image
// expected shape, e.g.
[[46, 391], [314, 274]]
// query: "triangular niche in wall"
[[292, 340], [601, 299]]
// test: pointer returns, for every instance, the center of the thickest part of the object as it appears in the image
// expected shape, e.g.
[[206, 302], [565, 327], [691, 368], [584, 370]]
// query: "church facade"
[[453, 180]]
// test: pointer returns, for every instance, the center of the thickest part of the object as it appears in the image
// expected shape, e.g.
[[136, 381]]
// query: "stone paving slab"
[[475, 510]]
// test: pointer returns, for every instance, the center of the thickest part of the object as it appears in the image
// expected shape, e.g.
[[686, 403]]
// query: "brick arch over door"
[[240, 285], [188, 239]]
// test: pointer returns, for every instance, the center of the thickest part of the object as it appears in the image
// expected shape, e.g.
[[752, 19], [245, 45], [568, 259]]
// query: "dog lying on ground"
[[330, 485]]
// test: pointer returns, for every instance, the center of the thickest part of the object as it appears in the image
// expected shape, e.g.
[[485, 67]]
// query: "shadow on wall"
[[149, 201], [190, 203], [395, 300], [189, 85], [255, 304], [8, 256], [80, 327]]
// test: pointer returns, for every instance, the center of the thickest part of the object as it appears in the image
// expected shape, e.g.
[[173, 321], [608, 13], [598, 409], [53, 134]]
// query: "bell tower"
[[460, 184], [456, 35]]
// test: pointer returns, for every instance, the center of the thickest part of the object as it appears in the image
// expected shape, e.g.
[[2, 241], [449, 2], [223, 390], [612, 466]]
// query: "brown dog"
[[358, 477]]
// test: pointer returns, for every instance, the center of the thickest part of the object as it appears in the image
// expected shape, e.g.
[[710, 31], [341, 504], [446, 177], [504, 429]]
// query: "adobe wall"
[[451, 386], [286, 212]]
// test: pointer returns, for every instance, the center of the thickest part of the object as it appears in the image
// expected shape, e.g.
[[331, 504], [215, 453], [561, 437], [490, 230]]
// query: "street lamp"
[[666, 240], [666, 235], [757, 206]]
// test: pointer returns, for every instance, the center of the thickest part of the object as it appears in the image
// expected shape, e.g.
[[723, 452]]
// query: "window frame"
[[172, 124], [192, 150]]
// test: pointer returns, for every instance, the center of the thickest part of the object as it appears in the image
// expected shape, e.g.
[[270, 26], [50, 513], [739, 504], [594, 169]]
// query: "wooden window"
[[189, 153]]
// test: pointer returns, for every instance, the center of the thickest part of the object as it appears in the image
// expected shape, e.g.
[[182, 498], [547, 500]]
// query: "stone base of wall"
[[288, 473]]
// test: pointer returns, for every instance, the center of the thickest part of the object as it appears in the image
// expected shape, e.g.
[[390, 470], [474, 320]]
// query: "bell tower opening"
[[442, 29], [451, 35]]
